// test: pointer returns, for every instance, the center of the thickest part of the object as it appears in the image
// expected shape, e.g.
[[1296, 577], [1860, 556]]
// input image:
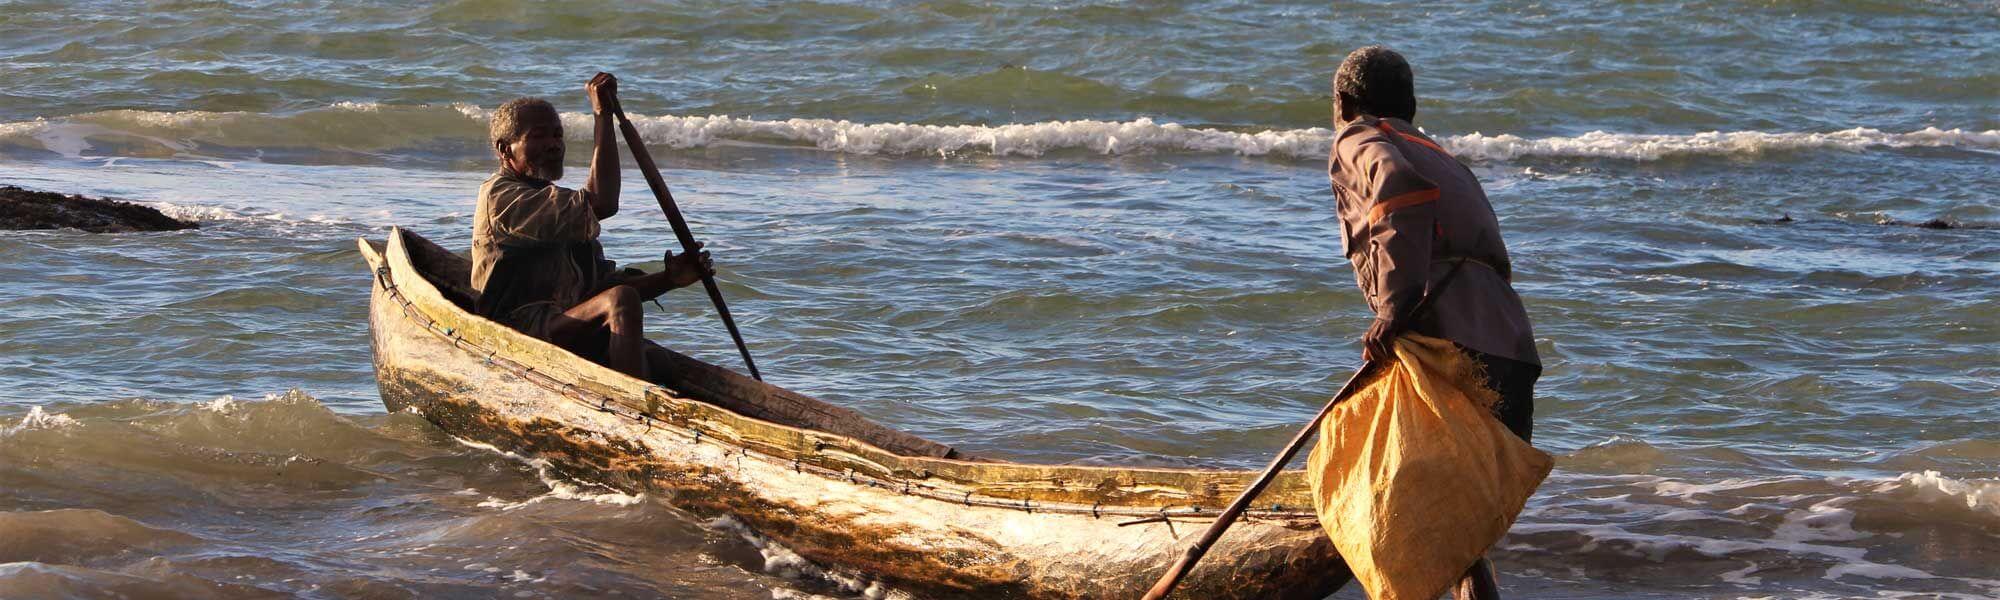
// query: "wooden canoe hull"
[[856, 522]]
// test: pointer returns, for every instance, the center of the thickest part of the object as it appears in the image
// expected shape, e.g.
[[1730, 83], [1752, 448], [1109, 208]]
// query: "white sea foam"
[[559, 489], [371, 127], [224, 405], [1823, 522], [1810, 522], [39, 419], [1632, 146], [198, 213], [216, 214], [1742, 576], [1931, 486], [1146, 136], [782, 562]]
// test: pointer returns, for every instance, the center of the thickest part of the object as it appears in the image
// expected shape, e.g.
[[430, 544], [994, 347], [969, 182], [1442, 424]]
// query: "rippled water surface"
[[1051, 232]]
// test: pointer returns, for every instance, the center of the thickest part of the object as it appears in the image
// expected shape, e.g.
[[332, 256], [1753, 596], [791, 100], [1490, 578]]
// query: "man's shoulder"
[[1361, 130], [514, 186], [497, 182], [1348, 145], [503, 181]]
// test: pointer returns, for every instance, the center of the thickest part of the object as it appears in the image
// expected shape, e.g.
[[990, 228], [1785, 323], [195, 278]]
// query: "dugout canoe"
[[852, 496]]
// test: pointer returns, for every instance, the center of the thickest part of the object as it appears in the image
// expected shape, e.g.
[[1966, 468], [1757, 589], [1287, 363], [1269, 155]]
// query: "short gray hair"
[[511, 121], [1379, 82]]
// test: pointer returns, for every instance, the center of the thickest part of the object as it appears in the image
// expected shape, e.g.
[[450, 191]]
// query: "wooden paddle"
[[666, 198], [1228, 517]]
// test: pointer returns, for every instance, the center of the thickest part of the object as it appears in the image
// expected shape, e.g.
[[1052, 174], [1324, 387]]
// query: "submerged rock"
[[29, 209], [1937, 223]]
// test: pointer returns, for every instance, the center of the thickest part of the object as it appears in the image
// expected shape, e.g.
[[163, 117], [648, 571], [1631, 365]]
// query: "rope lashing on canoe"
[[609, 405]]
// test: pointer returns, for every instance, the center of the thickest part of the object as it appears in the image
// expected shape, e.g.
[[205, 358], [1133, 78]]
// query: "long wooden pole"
[[666, 198], [1222, 522], [1228, 517]]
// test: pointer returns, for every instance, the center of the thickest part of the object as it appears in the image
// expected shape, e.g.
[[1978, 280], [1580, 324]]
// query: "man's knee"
[[623, 297], [626, 307]]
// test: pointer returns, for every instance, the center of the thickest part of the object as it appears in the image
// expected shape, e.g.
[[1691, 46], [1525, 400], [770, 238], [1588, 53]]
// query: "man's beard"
[[548, 170]]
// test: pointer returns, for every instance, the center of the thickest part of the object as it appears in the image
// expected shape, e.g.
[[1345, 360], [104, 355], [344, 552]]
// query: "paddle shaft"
[[667, 205], [1228, 517]]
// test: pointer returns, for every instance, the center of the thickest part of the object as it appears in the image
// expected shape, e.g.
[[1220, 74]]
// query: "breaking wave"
[[1763, 533], [1977, 495], [559, 488], [280, 497], [38, 419], [363, 130]]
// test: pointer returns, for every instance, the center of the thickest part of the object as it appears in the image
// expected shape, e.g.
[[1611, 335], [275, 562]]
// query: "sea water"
[[1096, 233]]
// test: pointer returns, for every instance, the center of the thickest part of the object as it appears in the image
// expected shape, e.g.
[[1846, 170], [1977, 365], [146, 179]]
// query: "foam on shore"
[[367, 130]]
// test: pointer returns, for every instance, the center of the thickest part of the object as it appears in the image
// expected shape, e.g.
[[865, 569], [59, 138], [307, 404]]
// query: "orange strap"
[[1383, 208], [1386, 128]]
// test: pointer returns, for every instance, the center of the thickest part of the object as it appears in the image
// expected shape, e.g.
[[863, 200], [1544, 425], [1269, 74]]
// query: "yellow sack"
[[1414, 478]]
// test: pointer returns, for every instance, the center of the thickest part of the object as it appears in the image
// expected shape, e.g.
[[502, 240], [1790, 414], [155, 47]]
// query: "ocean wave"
[[1643, 147], [75, 535], [783, 562], [209, 214], [558, 488], [1930, 486], [1753, 532], [367, 130], [38, 419]]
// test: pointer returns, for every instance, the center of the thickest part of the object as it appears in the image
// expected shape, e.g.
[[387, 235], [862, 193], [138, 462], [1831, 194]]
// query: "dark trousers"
[[1515, 382]]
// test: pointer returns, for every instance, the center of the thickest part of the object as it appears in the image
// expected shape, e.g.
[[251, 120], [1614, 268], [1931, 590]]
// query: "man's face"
[[539, 153]]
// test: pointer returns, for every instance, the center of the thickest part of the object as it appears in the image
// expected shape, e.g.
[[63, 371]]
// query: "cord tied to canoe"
[[610, 405]]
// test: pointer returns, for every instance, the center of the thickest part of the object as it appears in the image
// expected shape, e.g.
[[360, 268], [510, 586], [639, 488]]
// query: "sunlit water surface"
[[1741, 408]]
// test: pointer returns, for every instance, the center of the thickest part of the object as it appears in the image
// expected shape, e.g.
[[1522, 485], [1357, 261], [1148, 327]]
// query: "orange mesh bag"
[[1412, 476]]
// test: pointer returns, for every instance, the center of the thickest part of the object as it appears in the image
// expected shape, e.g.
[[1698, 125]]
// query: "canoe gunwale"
[[854, 451]]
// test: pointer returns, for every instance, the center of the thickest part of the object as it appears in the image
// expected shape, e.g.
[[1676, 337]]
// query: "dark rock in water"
[[29, 209], [1937, 223]]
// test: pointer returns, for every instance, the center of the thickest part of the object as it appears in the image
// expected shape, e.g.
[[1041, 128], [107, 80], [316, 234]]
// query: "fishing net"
[[1412, 476]]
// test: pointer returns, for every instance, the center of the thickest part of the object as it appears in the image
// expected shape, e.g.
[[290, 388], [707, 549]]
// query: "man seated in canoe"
[[536, 261], [1407, 209]]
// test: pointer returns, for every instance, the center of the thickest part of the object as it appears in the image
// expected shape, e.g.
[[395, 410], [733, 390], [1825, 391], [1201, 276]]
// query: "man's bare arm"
[[603, 182]]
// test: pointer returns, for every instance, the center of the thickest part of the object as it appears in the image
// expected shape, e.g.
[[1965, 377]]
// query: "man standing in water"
[[535, 257], [1407, 210]]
